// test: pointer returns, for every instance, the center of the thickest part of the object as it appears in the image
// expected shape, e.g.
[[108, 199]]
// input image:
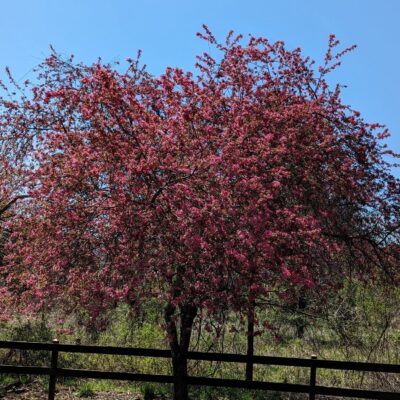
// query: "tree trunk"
[[179, 364], [250, 341], [300, 320], [180, 345]]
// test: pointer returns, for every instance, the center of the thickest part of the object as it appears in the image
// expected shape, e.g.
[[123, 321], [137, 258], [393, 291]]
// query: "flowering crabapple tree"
[[204, 191], [11, 183]]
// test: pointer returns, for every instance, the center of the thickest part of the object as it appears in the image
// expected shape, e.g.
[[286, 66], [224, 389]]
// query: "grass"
[[363, 329], [86, 390]]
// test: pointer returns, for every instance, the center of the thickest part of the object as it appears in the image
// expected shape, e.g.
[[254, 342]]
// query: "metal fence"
[[312, 389]]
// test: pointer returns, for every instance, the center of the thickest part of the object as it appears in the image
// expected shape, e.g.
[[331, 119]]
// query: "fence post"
[[313, 378], [53, 372]]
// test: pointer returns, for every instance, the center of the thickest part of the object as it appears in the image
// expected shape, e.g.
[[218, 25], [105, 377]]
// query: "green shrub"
[[148, 391], [86, 390]]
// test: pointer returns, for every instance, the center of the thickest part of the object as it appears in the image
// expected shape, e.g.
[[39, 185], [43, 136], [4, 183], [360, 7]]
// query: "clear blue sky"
[[165, 31]]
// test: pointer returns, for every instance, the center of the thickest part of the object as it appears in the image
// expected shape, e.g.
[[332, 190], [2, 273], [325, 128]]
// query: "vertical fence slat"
[[53, 373], [313, 378]]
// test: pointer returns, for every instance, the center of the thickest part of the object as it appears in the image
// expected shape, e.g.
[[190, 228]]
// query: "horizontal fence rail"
[[313, 364]]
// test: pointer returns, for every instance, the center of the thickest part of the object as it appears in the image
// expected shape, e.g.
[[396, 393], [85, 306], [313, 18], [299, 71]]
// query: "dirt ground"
[[34, 391]]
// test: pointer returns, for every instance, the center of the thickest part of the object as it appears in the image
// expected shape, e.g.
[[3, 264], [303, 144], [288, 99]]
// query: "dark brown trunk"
[[180, 345], [250, 341], [300, 321], [179, 364]]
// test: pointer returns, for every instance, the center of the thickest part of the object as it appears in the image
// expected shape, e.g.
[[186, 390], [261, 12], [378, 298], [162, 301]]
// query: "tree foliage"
[[204, 191]]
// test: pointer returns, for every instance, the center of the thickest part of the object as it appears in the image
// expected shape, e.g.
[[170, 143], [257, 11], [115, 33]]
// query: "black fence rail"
[[312, 389]]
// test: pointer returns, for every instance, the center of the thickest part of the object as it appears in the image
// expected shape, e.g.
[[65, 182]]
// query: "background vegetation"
[[360, 322]]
